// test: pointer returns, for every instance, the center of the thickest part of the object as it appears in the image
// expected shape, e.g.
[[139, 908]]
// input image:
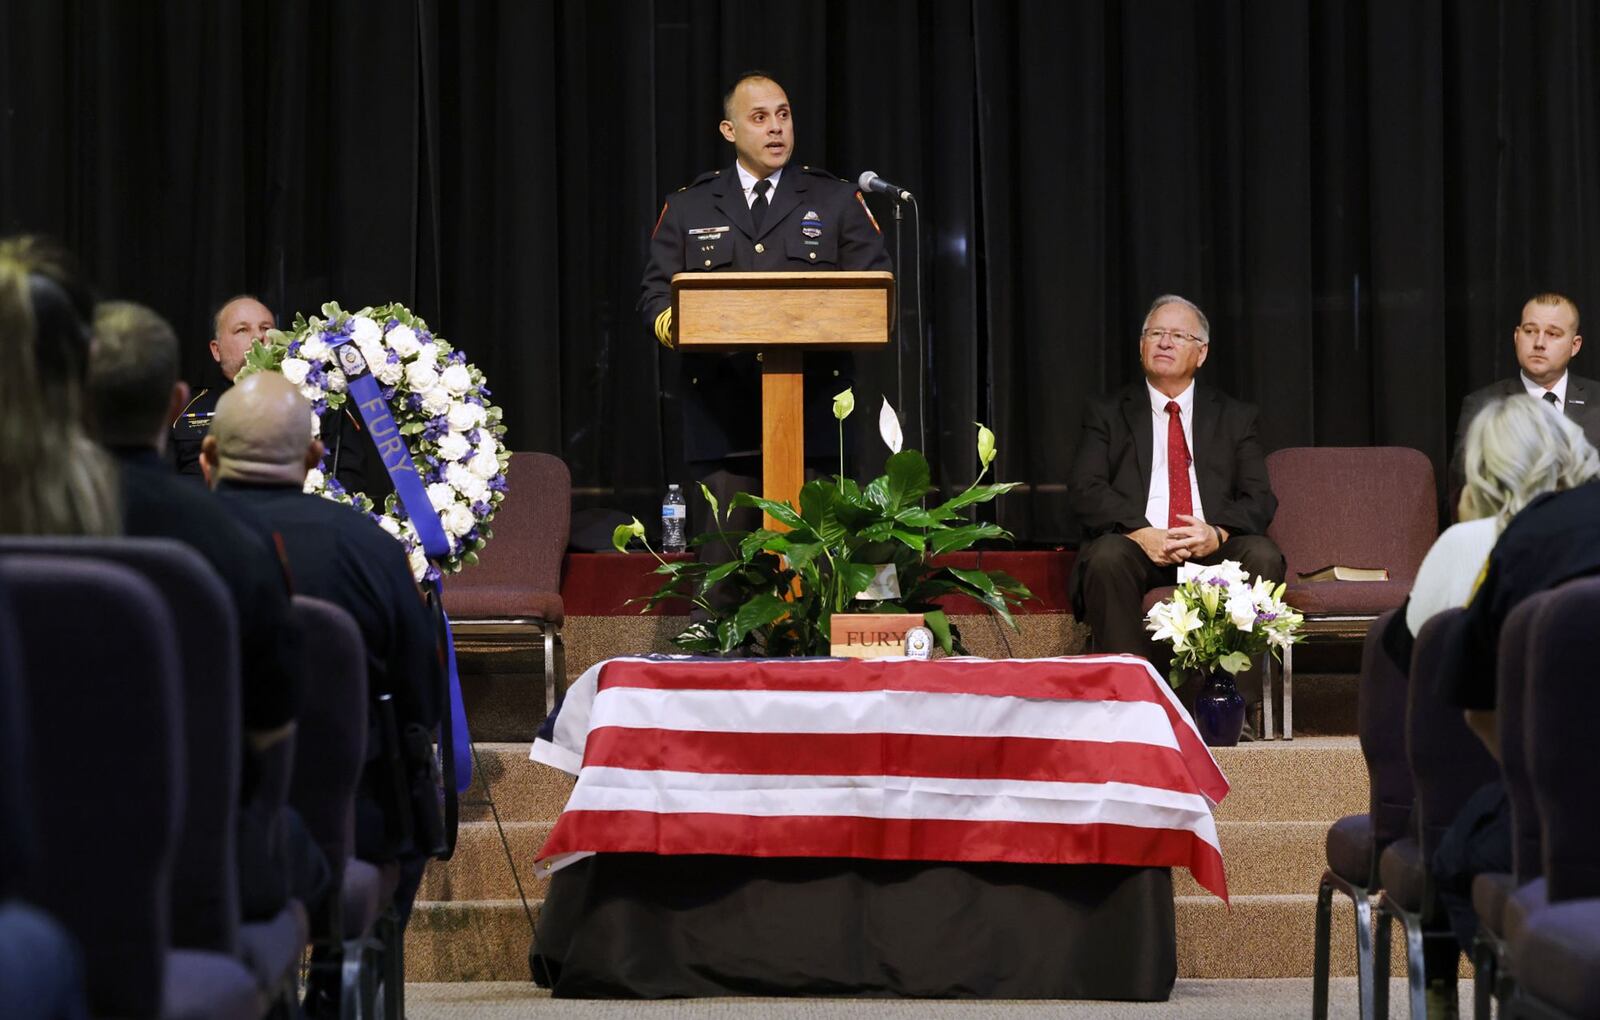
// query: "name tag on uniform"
[[708, 233], [196, 422]]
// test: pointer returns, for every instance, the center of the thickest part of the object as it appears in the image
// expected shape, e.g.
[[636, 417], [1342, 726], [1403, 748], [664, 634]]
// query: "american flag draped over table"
[[1080, 760]]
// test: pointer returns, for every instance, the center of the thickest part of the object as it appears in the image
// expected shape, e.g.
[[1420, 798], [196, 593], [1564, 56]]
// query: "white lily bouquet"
[[1220, 619]]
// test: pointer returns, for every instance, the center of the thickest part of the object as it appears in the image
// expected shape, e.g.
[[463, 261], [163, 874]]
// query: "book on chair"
[[1337, 573]]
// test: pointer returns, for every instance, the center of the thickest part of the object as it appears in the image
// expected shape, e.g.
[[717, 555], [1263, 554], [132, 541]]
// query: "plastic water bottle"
[[674, 521]]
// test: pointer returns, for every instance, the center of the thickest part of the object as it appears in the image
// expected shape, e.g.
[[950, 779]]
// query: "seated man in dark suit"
[[134, 387], [1147, 505], [1546, 342], [257, 454]]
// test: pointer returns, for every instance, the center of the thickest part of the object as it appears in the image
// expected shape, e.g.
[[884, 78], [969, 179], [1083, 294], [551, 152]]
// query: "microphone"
[[869, 181]]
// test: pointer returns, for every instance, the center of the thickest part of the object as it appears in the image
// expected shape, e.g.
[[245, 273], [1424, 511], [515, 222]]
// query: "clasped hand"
[[1194, 539]]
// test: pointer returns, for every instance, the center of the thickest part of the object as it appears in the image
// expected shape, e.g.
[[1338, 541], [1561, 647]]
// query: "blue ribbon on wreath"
[[413, 497]]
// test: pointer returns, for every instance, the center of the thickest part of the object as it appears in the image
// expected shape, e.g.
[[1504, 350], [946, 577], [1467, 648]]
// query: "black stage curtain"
[[1361, 194]]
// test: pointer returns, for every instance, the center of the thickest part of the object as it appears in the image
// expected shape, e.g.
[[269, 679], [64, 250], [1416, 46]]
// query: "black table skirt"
[[647, 926]]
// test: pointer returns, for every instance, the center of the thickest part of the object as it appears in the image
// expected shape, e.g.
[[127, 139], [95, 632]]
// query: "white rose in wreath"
[[436, 402], [428, 353], [313, 481], [389, 372], [419, 561], [337, 383], [458, 520], [390, 525], [466, 483], [442, 495], [421, 377], [313, 349], [454, 445], [456, 379], [484, 463], [403, 341], [295, 369], [464, 417], [365, 332]]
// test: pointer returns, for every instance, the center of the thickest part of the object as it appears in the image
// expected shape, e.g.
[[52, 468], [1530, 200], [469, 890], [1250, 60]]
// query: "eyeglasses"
[[1178, 337], [1531, 330]]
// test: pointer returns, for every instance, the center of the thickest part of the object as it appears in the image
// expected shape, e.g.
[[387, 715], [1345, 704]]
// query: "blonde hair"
[[58, 482], [1517, 449]]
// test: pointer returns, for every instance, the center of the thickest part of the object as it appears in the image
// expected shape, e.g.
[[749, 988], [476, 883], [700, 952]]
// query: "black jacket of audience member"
[[338, 554], [1555, 539], [158, 504]]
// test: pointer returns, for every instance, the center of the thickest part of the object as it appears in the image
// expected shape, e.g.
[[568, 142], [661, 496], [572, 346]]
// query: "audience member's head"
[[57, 480], [1547, 337], [1518, 448], [240, 322], [133, 376], [261, 435], [1173, 343]]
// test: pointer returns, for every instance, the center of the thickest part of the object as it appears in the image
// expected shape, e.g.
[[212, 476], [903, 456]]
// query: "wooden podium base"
[[783, 434]]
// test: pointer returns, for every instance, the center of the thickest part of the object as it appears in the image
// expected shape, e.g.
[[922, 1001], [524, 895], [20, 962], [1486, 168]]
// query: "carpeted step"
[[1305, 779], [480, 869], [523, 790], [480, 940]]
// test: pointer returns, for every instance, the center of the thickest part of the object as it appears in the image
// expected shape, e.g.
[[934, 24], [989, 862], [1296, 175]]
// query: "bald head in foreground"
[[257, 455]]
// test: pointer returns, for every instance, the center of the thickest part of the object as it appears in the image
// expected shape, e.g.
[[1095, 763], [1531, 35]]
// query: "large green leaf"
[[911, 539], [756, 612], [853, 579], [977, 494], [779, 511], [954, 539], [907, 479], [816, 499], [698, 637], [978, 579], [771, 541], [940, 625]]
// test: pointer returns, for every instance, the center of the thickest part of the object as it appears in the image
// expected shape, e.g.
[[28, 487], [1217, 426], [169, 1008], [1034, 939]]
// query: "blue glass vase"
[[1219, 710]]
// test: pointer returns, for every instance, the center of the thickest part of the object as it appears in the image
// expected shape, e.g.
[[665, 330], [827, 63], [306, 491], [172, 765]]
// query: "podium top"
[[757, 311]]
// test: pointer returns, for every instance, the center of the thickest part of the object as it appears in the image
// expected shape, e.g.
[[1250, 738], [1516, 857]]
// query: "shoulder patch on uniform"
[[817, 171], [709, 175]]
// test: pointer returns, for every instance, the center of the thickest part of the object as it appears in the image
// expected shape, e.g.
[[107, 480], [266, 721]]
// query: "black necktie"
[[1551, 399], [758, 208]]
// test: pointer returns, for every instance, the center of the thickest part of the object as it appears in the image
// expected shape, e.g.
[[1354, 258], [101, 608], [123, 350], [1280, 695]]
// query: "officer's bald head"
[[261, 434]]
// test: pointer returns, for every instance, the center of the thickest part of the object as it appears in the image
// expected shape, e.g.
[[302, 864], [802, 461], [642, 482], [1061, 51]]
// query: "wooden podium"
[[781, 316]]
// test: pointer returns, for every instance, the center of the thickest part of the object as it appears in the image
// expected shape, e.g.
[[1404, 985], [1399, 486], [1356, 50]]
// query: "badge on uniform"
[[811, 224]]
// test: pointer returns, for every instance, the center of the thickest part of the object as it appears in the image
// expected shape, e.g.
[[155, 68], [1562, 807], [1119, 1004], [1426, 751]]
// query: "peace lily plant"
[[848, 548], [1220, 619]]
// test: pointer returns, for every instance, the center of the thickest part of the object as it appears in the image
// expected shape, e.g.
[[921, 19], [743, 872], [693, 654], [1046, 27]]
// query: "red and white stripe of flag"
[[1087, 759]]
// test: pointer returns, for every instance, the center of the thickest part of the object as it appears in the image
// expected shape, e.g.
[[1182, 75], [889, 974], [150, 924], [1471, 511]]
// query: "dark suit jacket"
[[816, 222], [1110, 478], [1582, 406]]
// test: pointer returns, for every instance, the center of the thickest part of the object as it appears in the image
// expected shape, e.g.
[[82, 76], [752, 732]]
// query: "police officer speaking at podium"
[[758, 215]]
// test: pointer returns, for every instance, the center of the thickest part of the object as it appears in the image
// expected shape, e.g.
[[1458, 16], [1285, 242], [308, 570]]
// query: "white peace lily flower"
[[295, 369], [421, 377], [453, 445], [441, 495], [312, 348], [464, 416], [364, 331], [889, 427], [458, 520], [389, 372], [337, 383], [403, 340], [436, 402], [314, 481], [456, 379], [390, 525]]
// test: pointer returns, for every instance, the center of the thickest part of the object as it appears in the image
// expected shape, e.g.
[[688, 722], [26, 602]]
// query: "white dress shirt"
[[747, 181], [1537, 392], [1158, 501]]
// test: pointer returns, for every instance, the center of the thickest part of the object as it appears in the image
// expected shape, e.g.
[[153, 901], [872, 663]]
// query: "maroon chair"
[[1355, 842], [1448, 763], [512, 597], [1492, 975], [1553, 923], [1350, 507]]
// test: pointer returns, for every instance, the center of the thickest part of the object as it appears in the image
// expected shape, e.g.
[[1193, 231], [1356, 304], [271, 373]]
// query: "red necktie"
[[1179, 500]]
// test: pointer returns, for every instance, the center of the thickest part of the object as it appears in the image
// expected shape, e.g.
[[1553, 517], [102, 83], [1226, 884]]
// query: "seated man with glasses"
[[1167, 471], [1546, 342]]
